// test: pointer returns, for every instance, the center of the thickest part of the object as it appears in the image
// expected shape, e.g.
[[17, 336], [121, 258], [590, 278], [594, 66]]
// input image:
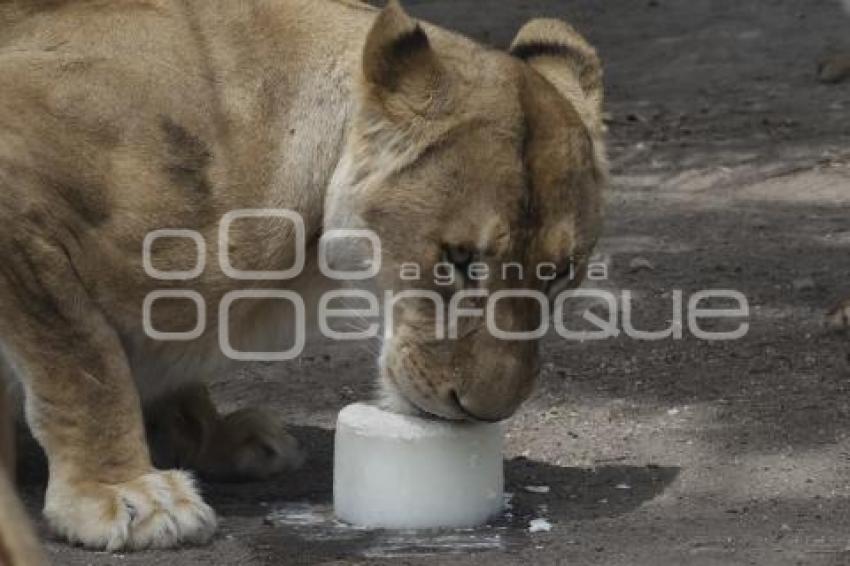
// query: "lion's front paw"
[[156, 510], [251, 444]]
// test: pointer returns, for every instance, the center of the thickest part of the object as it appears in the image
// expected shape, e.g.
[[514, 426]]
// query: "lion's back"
[[88, 94]]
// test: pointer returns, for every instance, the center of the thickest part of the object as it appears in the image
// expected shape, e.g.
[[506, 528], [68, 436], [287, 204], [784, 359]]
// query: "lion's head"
[[480, 171]]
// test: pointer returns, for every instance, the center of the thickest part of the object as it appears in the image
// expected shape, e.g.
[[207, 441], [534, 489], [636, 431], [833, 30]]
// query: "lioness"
[[118, 119]]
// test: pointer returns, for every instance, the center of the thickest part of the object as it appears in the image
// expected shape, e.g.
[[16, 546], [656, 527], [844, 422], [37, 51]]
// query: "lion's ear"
[[398, 58], [559, 53]]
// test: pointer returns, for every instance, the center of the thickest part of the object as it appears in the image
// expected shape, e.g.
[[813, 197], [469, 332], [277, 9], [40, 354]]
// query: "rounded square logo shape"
[[248, 275], [373, 264], [243, 356], [200, 306], [200, 261]]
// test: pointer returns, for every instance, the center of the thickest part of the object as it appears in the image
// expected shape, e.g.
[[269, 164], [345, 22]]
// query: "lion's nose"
[[489, 410], [472, 415], [497, 390]]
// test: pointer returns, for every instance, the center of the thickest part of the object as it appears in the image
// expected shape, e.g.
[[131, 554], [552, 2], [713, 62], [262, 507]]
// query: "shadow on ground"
[[300, 519], [297, 512], [585, 493]]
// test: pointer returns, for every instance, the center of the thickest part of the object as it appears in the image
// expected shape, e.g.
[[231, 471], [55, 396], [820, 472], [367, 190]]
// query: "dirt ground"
[[731, 170]]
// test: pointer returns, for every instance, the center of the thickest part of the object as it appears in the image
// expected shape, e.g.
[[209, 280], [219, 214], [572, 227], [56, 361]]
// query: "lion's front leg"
[[187, 431], [83, 408]]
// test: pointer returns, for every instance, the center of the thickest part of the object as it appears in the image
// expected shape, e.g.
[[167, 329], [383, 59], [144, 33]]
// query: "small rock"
[[539, 526], [640, 264], [834, 69], [537, 488], [803, 284], [839, 317]]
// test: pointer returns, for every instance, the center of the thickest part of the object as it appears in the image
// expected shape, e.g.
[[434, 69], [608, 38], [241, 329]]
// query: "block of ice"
[[402, 472]]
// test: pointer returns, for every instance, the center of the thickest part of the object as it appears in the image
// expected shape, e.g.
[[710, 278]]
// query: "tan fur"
[[186, 431], [119, 118], [18, 544]]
